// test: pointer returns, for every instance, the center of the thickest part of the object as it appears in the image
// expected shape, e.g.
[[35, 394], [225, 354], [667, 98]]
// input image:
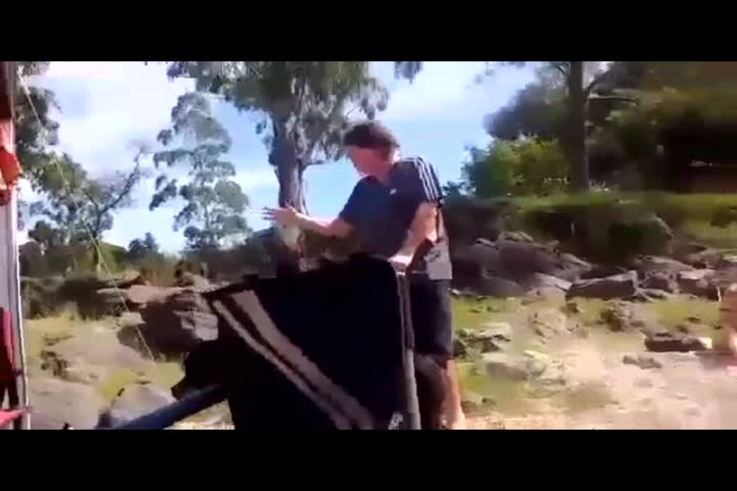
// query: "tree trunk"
[[576, 134], [289, 172], [288, 169]]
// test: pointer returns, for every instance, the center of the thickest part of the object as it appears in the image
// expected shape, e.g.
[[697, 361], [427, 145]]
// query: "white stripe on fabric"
[[249, 302], [426, 176], [340, 421]]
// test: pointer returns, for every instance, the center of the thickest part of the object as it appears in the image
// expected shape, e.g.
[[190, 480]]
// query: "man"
[[394, 210]]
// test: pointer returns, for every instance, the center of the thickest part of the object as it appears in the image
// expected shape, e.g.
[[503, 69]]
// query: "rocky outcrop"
[[699, 282], [174, 325], [618, 286], [506, 268]]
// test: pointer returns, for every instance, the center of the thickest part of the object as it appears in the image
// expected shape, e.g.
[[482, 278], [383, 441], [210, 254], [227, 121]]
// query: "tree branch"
[[560, 68], [613, 98], [597, 80], [126, 189]]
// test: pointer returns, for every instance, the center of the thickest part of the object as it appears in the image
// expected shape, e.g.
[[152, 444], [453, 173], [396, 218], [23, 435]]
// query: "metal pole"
[[412, 402], [10, 268], [168, 415]]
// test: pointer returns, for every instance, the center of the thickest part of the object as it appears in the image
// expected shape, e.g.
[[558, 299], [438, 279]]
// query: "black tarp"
[[345, 319]]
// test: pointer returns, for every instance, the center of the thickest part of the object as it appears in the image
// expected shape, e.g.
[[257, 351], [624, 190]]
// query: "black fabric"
[[345, 318], [382, 213], [432, 318]]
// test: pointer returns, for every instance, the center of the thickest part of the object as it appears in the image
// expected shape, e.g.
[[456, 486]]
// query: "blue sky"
[[108, 108]]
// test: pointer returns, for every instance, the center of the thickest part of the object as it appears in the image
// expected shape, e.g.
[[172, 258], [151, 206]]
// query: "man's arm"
[[335, 227], [422, 228]]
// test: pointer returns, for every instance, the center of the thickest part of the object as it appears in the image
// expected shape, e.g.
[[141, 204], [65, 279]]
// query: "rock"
[[498, 331], [471, 402], [660, 281], [548, 323], [643, 361], [622, 316], [646, 265], [455, 293], [194, 281], [619, 286], [516, 236], [127, 280], [73, 403], [493, 286], [175, 324], [513, 367], [665, 341], [134, 401], [133, 298], [487, 340], [128, 319], [603, 271], [727, 262], [699, 282], [649, 295], [572, 308], [460, 347], [541, 280]]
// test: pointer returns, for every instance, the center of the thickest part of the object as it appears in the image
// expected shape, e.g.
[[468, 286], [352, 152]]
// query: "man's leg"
[[453, 408], [433, 326]]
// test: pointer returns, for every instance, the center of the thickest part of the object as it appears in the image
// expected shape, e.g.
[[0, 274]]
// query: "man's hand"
[[287, 217], [400, 261]]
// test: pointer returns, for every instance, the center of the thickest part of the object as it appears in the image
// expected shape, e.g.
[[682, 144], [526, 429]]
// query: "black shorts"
[[432, 319]]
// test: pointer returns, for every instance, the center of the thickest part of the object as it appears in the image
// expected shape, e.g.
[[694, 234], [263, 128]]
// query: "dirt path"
[[689, 391]]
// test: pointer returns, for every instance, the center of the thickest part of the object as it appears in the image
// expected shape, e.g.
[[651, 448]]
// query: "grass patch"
[[163, 375], [471, 313], [677, 310], [587, 397], [115, 381], [510, 397], [590, 311], [40, 333], [704, 233]]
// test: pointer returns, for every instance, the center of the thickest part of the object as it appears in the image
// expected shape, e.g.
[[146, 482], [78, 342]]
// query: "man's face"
[[367, 161]]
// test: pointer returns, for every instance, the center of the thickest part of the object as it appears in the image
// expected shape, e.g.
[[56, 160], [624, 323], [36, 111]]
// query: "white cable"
[[95, 244]]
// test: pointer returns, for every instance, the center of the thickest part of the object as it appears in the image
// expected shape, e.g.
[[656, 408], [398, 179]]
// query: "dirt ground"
[[689, 391]]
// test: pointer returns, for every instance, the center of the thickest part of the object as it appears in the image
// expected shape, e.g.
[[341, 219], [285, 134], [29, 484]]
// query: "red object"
[[9, 166], [7, 372], [10, 415]]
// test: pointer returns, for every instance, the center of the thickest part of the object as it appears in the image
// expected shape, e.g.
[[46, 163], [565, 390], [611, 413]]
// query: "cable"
[[94, 241]]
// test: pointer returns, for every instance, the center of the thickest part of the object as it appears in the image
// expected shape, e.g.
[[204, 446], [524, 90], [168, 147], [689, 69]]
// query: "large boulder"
[[665, 341], [132, 402], [518, 262], [618, 286], [174, 324], [492, 337], [699, 282], [624, 316], [133, 298], [513, 367], [646, 265], [660, 281]]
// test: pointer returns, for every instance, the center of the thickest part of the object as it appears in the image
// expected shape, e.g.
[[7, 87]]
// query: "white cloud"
[[257, 179], [449, 90]]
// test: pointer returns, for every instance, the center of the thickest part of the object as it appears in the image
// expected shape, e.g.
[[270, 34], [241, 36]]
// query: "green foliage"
[[139, 248], [304, 107], [516, 168], [214, 203]]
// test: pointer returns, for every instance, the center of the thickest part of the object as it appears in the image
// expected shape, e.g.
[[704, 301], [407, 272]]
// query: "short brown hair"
[[370, 134]]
